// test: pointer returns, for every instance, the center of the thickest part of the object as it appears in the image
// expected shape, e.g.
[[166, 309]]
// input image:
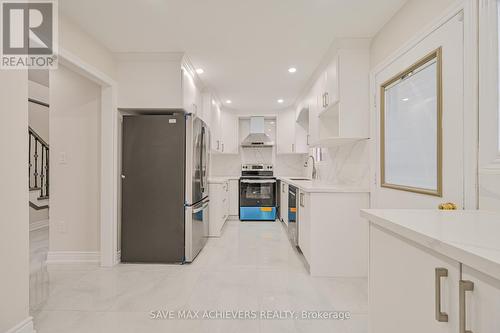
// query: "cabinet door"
[[189, 92], [332, 83], [285, 132], [304, 224], [216, 128], [315, 101], [403, 285], [229, 133], [234, 201], [284, 202], [482, 304]]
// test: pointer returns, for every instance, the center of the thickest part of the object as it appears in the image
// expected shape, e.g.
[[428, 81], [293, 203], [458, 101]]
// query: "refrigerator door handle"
[[202, 180], [203, 207]]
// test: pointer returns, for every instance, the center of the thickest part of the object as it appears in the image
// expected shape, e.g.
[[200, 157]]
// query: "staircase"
[[38, 171]]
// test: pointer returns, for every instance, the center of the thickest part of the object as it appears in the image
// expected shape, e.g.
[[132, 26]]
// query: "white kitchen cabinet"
[[234, 197], [291, 137], [284, 202], [328, 86], [229, 133], [338, 101], [223, 126], [334, 236], [403, 287], [482, 304], [304, 224], [157, 81], [219, 206], [191, 94]]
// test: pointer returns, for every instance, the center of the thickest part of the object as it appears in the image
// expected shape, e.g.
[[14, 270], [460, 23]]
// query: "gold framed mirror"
[[411, 109]]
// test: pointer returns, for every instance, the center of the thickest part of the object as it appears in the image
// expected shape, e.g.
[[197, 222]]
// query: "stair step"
[[35, 189], [46, 197]]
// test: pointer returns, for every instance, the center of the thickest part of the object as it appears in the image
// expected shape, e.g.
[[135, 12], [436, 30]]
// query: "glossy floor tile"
[[252, 268]]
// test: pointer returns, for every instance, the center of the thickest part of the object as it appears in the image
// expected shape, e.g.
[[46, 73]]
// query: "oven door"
[[257, 192], [257, 199]]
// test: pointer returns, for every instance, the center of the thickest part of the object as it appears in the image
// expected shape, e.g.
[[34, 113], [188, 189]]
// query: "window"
[[411, 141]]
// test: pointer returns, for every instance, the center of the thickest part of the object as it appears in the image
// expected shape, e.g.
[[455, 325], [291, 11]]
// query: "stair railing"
[[38, 163]]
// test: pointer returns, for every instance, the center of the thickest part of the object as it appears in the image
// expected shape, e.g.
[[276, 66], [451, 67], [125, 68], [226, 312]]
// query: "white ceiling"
[[244, 46]]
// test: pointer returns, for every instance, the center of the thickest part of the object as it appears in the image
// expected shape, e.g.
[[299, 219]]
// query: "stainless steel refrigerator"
[[165, 161]]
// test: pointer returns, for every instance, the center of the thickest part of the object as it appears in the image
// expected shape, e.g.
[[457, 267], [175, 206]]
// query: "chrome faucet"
[[315, 172]]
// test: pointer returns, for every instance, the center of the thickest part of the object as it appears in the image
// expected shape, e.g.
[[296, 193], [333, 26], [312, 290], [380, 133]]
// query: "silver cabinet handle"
[[327, 99], [440, 316], [464, 287], [218, 144], [223, 147], [302, 200], [293, 148]]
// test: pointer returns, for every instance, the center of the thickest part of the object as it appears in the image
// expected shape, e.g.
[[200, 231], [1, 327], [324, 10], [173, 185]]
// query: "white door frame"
[[109, 166], [471, 96]]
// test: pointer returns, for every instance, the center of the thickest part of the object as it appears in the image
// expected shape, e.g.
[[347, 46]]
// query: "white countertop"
[[319, 187], [469, 237]]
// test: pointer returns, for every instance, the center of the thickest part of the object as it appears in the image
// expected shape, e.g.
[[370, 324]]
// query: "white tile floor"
[[251, 267]]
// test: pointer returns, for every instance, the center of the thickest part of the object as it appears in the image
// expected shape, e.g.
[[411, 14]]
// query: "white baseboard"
[[73, 257], [37, 225], [26, 326], [118, 257]]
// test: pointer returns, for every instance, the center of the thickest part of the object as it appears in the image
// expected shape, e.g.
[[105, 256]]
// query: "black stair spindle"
[[47, 173], [29, 158], [36, 162], [42, 166]]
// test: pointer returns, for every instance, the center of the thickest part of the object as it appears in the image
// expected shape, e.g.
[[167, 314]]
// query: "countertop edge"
[[332, 189], [451, 251]]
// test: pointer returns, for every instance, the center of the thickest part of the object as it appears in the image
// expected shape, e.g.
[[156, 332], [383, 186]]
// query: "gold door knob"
[[448, 206]]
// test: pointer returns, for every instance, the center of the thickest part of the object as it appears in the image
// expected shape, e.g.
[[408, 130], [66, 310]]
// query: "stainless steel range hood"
[[257, 136]]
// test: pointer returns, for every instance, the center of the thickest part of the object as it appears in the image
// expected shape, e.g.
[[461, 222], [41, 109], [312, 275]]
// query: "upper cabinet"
[[338, 102], [192, 98], [223, 126], [157, 81], [291, 137]]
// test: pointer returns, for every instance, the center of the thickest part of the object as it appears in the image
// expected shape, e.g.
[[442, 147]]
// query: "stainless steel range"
[[257, 193]]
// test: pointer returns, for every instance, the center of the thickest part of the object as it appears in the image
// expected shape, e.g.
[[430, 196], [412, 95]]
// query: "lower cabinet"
[[219, 207], [284, 202], [332, 235], [481, 302], [420, 290], [411, 289], [234, 197], [305, 224]]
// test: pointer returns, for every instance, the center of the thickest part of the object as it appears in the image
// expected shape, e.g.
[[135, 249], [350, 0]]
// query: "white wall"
[[412, 18], [76, 41], [75, 184], [14, 240]]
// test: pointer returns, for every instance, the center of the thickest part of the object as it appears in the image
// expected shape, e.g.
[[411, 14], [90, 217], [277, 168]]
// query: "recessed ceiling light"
[[229, 101], [292, 70], [406, 99], [213, 102], [281, 101], [200, 71]]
